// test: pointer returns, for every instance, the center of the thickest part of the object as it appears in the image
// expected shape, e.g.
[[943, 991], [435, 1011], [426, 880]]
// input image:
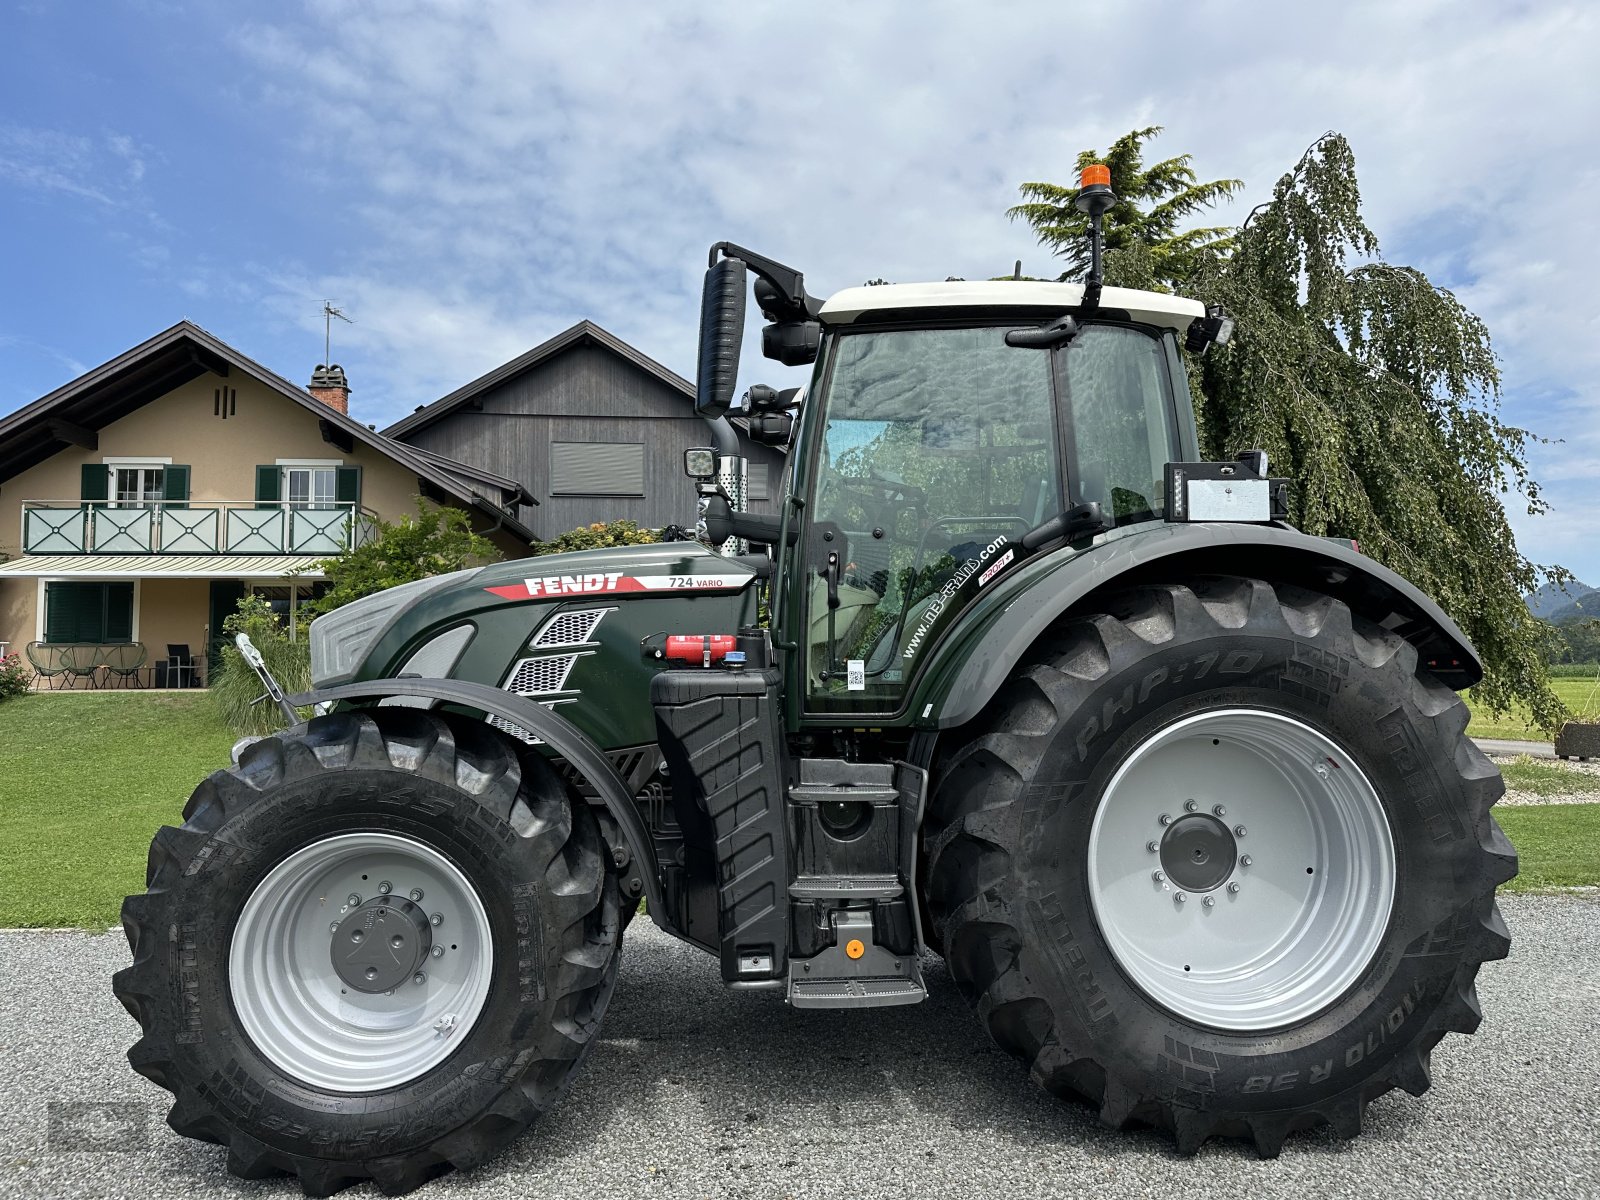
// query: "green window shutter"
[[175, 486], [269, 483], [118, 624], [96, 482], [347, 485], [88, 612]]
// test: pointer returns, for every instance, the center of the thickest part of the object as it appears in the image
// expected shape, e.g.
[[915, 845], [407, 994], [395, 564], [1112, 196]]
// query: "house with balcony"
[[141, 501]]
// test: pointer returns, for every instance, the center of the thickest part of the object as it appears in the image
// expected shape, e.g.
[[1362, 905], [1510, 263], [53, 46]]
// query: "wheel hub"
[[381, 944], [1198, 852]]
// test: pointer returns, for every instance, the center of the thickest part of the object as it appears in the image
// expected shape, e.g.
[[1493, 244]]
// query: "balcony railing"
[[188, 527]]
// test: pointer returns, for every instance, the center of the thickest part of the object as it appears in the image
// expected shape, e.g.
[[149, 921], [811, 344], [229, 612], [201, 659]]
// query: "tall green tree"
[[1378, 394], [1143, 227]]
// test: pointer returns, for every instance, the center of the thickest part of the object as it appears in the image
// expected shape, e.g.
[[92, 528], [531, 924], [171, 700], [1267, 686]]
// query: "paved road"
[[695, 1091], [1501, 746]]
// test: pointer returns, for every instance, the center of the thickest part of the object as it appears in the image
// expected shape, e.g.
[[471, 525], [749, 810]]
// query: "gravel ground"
[[1514, 797], [695, 1091]]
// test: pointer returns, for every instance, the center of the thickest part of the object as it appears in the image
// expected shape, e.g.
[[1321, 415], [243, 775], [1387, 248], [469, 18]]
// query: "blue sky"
[[467, 179]]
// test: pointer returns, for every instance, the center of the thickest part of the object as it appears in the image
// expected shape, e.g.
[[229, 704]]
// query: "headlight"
[[342, 638]]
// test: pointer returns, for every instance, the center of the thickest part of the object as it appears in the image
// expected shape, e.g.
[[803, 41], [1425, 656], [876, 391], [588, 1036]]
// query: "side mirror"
[[721, 333], [700, 463]]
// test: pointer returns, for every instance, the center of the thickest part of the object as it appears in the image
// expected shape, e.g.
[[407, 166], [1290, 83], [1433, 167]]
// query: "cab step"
[[855, 972]]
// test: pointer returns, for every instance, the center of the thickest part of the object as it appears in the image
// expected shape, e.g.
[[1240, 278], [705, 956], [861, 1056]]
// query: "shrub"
[[599, 536], [14, 677], [434, 542], [235, 688]]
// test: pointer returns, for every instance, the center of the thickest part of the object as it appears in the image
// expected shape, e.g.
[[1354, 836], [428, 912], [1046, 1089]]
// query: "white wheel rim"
[[1288, 926], [304, 1017]]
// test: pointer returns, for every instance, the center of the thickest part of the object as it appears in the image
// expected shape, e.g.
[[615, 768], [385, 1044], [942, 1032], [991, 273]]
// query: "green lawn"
[[1559, 845], [85, 781], [1547, 778], [1582, 696]]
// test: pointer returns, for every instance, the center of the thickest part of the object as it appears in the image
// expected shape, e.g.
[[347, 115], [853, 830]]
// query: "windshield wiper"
[[1043, 337]]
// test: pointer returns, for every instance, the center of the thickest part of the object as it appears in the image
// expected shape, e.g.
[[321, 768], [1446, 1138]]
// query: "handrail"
[[154, 527]]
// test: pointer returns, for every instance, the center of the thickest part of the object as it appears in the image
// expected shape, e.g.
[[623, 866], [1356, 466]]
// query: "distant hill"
[[1558, 605]]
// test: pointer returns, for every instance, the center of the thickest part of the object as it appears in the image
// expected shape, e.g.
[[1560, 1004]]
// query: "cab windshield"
[[940, 449]]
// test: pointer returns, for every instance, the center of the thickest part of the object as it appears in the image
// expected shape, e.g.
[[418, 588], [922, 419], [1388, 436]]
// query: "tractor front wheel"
[[378, 948], [1220, 859]]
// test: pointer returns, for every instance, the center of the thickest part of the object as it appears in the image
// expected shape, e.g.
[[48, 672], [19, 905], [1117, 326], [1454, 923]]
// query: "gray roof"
[[584, 330], [173, 357]]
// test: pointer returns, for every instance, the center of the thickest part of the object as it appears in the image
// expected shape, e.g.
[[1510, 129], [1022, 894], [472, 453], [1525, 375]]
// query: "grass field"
[[1558, 844], [86, 780], [1582, 696]]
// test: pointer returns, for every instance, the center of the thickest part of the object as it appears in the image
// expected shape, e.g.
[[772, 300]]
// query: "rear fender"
[[993, 636], [560, 735]]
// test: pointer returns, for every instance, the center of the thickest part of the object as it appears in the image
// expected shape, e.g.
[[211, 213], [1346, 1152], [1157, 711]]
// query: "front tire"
[[378, 948], [1220, 859]]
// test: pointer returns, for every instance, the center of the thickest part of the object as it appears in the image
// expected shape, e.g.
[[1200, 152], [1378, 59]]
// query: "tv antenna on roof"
[[329, 312]]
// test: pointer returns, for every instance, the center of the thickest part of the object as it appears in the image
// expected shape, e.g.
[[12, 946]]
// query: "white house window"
[[309, 487], [136, 487]]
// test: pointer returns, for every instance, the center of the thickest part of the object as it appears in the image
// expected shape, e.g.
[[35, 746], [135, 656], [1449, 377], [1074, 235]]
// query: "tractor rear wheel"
[[378, 948], [1220, 859]]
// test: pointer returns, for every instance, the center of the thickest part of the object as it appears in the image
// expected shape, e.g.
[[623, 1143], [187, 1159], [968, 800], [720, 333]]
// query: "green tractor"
[[1181, 795]]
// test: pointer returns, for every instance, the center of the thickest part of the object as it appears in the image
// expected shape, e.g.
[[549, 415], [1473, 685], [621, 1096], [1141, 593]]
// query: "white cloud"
[[514, 168]]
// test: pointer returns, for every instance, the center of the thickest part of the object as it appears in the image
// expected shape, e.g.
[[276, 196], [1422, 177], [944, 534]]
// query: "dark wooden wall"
[[585, 393]]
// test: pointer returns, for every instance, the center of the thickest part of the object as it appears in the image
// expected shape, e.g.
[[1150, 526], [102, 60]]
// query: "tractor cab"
[[950, 433]]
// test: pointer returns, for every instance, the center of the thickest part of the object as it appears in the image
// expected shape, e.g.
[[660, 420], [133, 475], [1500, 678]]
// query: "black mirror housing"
[[721, 334], [793, 343]]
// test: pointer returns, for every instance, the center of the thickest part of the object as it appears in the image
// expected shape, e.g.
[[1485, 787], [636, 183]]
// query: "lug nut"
[[1158, 877], [1165, 819], [1219, 810], [1209, 901], [438, 951], [1233, 889], [416, 893], [1181, 897], [1152, 846], [352, 900], [1245, 860], [333, 927], [385, 888], [437, 919], [1238, 831], [1189, 806], [419, 979]]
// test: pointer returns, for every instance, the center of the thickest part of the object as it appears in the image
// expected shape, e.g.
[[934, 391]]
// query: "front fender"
[[995, 633], [570, 742]]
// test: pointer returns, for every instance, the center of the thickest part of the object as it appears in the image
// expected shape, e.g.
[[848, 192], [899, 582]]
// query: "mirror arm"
[[789, 283], [1079, 521]]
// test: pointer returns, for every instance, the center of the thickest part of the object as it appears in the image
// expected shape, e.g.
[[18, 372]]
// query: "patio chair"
[[80, 661], [125, 660], [45, 660], [180, 670]]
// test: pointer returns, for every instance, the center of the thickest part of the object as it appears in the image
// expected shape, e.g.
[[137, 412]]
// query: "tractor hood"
[[381, 634]]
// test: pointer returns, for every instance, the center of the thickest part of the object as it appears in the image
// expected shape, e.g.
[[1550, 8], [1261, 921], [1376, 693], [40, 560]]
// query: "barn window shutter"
[[597, 468], [96, 482], [269, 483], [175, 486], [347, 485]]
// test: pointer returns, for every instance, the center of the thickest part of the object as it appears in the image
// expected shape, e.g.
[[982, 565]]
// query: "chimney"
[[328, 385]]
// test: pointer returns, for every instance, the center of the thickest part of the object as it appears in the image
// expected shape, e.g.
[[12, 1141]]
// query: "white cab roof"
[[1151, 308]]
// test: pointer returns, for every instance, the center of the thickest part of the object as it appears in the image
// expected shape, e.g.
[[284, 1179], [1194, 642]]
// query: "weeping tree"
[[1375, 391]]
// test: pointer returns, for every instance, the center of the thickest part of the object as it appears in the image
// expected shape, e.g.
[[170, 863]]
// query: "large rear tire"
[[1220, 860], [378, 948]]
